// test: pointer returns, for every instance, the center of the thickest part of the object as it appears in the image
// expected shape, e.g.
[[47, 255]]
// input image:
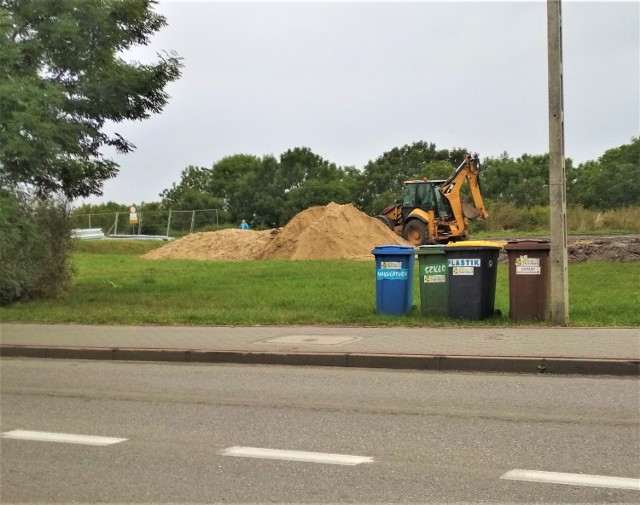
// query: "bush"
[[35, 248], [583, 220], [509, 217]]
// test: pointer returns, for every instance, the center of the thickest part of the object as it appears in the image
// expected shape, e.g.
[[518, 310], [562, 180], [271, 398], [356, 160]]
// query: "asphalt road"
[[426, 437]]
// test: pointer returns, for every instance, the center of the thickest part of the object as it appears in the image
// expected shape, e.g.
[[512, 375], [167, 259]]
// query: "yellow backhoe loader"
[[432, 212]]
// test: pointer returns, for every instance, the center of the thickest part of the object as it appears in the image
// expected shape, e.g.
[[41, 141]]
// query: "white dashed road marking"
[[573, 479], [68, 438], [309, 457]]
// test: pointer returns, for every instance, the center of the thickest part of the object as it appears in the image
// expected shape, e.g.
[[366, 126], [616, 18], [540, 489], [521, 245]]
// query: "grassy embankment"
[[507, 218], [115, 285]]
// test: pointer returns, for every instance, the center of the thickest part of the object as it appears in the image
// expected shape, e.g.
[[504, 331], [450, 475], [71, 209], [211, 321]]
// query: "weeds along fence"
[[172, 223]]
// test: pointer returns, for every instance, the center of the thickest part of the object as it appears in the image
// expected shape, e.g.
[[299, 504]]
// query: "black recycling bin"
[[473, 270], [434, 287], [529, 275]]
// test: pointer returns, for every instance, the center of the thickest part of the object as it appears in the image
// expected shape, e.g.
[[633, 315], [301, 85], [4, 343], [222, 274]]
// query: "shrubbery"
[[626, 219], [508, 217], [35, 248]]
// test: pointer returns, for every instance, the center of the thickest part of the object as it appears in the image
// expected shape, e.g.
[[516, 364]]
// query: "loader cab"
[[424, 195]]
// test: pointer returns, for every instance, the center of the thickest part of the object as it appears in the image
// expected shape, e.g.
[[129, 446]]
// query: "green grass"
[[605, 294], [116, 246], [119, 287]]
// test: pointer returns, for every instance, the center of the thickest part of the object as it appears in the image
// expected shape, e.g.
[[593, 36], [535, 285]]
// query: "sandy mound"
[[220, 245], [330, 232]]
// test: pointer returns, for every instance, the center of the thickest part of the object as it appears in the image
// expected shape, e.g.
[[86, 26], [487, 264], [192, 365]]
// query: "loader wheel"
[[415, 232], [387, 221]]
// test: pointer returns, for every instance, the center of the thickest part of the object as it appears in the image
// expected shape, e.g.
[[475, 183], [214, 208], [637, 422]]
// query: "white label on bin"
[[526, 270], [391, 265], [392, 275], [435, 279], [472, 263], [462, 271], [527, 266]]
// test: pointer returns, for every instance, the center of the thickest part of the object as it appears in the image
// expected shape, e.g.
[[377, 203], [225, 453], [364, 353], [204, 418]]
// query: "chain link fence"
[[170, 223]]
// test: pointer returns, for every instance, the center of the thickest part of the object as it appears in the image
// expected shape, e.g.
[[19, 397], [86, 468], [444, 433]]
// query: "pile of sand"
[[218, 245], [330, 232]]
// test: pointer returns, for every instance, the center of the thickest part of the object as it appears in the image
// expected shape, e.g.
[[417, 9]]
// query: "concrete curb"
[[508, 364]]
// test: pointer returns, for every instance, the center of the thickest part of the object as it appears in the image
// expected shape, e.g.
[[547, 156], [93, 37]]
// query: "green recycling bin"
[[434, 285], [473, 270]]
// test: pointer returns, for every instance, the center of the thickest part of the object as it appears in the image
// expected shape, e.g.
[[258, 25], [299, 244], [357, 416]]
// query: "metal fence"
[[168, 222]]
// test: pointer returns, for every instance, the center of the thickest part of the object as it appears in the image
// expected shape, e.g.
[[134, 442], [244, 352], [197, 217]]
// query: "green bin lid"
[[430, 249]]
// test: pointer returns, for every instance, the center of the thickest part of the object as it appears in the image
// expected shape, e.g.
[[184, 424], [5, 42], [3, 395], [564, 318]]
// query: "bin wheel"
[[415, 232]]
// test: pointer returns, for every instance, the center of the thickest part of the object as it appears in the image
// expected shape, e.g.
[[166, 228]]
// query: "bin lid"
[[393, 249], [527, 244], [477, 244], [430, 249]]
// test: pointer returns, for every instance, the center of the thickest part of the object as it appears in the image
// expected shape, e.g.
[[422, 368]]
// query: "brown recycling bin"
[[528, 279]]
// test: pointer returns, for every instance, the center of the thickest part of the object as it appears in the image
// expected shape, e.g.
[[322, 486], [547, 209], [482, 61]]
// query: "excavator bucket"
[[472, 213]]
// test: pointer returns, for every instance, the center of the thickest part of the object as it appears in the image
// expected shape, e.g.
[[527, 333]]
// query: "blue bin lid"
[[393, 249]]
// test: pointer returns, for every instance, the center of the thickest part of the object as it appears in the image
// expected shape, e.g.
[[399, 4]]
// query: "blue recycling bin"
[[394, 278]]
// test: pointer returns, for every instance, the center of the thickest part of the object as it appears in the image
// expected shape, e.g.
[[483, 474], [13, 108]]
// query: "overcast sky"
[[354, 80]]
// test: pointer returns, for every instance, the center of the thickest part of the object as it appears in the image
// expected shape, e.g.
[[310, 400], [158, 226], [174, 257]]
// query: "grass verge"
[[120, 287]]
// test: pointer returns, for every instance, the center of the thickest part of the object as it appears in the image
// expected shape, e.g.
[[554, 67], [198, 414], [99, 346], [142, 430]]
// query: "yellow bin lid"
[[478, 243]]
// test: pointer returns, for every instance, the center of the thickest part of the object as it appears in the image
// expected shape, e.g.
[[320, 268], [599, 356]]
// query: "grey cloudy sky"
[[353, 80]]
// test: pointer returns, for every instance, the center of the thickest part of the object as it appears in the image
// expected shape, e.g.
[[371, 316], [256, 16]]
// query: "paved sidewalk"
[[614, 351]]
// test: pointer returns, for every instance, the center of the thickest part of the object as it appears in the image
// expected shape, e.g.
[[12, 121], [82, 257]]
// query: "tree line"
[[269, 191]]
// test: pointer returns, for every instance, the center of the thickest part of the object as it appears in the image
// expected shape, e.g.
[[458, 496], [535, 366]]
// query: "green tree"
[[63, 78], [192, 192], [315, 192], [523, 181], [191, 179], [612, 181], [267, 192], [234, 179], [437, 170], [313, 181], [386, 174], [300, 164], [265, 195]]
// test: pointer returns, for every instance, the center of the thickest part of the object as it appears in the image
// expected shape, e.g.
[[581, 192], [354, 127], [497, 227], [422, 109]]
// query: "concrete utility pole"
[[557, 178]]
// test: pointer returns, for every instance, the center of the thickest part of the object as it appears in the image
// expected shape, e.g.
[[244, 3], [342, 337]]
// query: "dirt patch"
[[625, 248], [328, 232], [604, 249]]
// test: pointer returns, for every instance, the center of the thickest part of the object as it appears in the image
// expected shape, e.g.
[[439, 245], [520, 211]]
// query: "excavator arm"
[[468, 170]]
